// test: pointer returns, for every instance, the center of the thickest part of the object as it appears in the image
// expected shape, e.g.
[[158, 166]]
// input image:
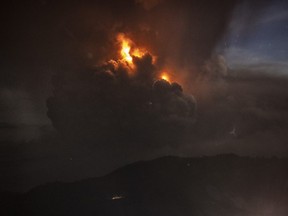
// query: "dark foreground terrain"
[[220, 185]]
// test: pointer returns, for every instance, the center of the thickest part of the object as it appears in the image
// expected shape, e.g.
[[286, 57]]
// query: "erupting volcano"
[[125, 100], [94, 88], [129, 51]]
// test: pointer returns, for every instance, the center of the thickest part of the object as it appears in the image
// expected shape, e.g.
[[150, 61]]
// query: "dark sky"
[[228, 57]]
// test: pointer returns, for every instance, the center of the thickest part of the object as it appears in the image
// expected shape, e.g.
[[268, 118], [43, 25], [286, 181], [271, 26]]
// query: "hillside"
[[219, 185]]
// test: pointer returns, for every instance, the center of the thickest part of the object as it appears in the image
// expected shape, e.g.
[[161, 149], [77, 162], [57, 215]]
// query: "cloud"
[[247, 59], [18, 107], [275, 17], [107, 104], [119, 103], [244, 112]]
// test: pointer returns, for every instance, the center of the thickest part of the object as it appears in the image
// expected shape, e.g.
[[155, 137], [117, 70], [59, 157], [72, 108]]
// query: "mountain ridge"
[[209, 185]]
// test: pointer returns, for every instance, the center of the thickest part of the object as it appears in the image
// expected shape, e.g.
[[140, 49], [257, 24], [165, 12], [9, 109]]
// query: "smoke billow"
[[115, 102]]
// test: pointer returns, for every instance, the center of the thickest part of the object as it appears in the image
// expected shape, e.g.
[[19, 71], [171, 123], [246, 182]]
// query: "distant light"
[[117, 197]]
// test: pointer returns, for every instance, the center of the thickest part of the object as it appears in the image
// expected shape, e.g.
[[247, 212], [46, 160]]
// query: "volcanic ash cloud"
[[121, 101]]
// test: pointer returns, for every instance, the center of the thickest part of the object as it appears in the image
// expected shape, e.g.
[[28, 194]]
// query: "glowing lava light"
[[127, 50], [165, 76]]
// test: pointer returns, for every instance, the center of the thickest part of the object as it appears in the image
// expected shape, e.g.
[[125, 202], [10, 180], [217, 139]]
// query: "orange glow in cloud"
[[165, 76], [125, 51], [128, 51]]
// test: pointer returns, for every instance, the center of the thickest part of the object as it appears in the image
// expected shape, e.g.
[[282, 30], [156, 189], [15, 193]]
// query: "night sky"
[[68, 113], [258, 40]]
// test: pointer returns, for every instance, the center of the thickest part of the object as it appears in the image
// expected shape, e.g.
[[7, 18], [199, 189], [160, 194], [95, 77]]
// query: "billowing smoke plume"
[[120, 103], [117, 103], [72, 33]]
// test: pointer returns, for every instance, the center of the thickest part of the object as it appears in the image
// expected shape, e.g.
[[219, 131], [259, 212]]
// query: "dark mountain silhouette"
[[219, 185]]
